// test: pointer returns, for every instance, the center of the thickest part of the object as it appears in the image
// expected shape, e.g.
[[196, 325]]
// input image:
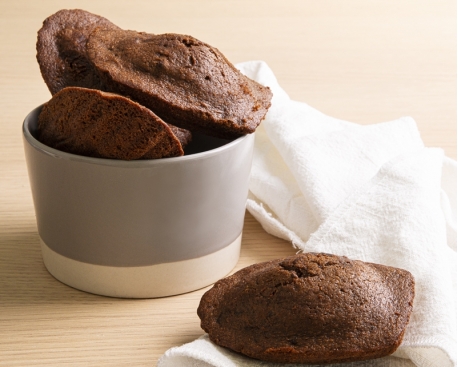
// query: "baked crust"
[[93, 123], [310, 308], [61, 49], [62, 54], [185, 81]]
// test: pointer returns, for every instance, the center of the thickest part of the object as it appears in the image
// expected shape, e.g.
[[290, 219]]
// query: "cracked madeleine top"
[[310, 308], [186, 82]]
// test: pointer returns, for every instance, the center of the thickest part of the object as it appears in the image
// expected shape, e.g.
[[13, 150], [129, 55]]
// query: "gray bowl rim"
[[118, 162]]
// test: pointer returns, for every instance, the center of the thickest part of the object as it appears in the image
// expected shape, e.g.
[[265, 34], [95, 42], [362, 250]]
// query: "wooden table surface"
[[363, 61]]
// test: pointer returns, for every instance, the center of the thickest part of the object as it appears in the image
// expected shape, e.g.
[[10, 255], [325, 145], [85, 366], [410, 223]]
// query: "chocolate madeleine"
[[310, 308], [98, 124], [183, 80], [62, 56], [61, 49]]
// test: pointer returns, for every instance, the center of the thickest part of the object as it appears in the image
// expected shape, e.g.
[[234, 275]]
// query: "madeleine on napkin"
[[310, 308]]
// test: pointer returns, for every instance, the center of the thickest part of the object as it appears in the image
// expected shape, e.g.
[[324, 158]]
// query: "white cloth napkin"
[[372, 193]]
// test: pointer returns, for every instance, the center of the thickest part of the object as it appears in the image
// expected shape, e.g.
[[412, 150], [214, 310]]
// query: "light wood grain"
[[363, 61]]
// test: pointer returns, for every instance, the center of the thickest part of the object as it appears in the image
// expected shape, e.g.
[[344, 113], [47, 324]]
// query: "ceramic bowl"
[[140, 229]]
